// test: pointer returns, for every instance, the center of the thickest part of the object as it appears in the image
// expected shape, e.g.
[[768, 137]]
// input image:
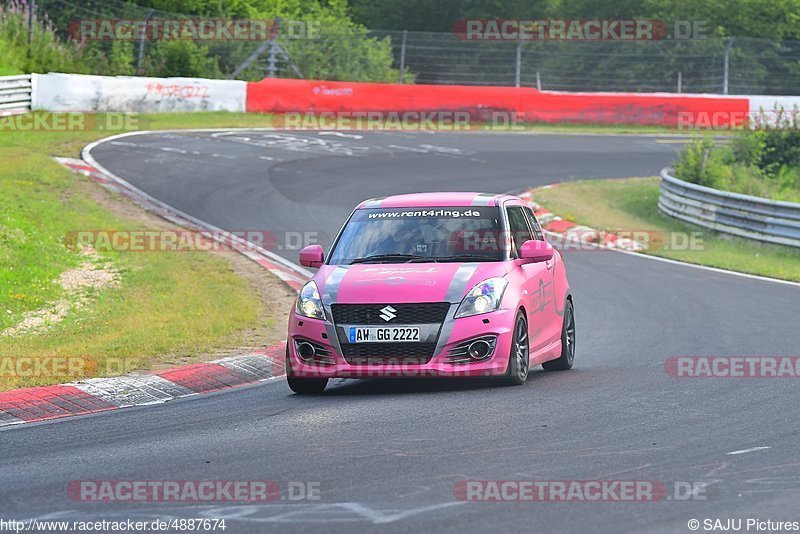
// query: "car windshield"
[[400, 235]]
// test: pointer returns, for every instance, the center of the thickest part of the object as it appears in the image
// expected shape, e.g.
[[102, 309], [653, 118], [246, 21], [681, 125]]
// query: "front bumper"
[[499, 323]]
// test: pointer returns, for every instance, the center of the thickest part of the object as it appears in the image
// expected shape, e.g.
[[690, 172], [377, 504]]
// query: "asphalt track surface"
[[387, 454]]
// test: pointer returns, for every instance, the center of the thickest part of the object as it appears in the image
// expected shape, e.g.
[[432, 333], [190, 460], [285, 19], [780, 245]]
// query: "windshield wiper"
[[466, 257], [406, 258]]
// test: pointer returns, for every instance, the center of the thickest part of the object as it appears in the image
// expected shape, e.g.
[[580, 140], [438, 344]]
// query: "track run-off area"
[[391, 454]]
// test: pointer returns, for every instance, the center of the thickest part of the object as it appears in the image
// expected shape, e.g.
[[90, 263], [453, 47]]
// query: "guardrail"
[[15, 94], [770, 221]]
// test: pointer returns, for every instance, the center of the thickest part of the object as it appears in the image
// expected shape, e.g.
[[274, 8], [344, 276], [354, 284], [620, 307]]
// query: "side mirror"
[[536, 250], [312, 256]]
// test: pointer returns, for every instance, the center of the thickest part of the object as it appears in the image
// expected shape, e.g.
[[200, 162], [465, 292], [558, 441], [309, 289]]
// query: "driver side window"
[[518, 226]]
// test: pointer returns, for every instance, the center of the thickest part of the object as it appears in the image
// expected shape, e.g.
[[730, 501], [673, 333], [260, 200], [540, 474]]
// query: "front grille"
[[388, 353], [366, 314]]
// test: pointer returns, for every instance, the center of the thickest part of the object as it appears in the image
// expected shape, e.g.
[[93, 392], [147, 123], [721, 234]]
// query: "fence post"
[[402, 74], [272, 61], [519, 64], [31, 18], [680, 82], [140, 49], [538, 81], [726, 56]]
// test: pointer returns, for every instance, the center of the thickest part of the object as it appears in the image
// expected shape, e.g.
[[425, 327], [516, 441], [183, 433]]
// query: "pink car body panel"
[[539, 288]]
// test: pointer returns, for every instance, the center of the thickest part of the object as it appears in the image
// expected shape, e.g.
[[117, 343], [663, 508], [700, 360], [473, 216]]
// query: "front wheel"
[[303, 386], [564, 362], [307, 386], [519, 359]]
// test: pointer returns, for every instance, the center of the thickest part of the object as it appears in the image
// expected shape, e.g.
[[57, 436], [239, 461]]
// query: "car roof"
[[425, 200]]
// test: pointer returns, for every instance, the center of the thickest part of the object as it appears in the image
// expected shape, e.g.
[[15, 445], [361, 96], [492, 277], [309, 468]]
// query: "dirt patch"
[[79, 284]]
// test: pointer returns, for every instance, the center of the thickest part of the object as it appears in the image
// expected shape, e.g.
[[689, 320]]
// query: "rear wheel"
[[303, 386], [519, 359], [564, 362]]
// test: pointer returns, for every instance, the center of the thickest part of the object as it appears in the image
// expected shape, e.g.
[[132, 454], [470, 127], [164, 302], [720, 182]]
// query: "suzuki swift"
[[434, 284]]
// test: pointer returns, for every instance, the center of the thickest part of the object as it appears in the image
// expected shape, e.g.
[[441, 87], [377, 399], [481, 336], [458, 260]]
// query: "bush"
[[343, 50], [45, 53], [763, 163], [180, 58]]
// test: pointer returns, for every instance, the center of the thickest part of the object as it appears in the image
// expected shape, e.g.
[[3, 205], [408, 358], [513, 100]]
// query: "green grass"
[[167, 306], [631, 205], [759, 163]]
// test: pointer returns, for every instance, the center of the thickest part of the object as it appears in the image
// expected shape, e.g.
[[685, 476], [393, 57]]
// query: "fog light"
[[306, 351], [479, 350]]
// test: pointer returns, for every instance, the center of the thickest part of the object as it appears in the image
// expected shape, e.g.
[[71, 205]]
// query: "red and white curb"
[[574, 232], [103, 394]]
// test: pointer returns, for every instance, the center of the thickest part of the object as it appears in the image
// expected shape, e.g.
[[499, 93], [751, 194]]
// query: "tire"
[[307, 386], [565, 361], [519, 357], [303, 386]]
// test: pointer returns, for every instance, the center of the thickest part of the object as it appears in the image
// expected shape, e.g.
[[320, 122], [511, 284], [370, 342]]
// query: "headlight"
[[483, 298], [308, 302]]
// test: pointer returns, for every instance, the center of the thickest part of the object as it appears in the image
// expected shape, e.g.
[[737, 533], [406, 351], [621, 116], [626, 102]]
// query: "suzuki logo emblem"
[[387, 313]]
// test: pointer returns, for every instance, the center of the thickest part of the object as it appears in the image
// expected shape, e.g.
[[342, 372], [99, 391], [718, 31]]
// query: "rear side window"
[[537, 228], [518, 225]]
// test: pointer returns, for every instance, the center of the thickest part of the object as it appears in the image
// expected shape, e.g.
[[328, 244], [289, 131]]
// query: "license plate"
[[383, 334]]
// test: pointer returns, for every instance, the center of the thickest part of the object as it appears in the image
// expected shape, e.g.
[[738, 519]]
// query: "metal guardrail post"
[[15, 94]]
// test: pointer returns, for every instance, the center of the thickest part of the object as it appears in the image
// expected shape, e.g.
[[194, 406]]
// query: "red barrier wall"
[[632, 108], [309, 96]]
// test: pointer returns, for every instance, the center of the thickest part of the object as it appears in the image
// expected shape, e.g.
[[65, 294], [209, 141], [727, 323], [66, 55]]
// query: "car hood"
[[400, 283]]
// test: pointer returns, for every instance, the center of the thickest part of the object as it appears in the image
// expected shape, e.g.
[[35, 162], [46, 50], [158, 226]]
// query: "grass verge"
[[632, 205], [167, 308]]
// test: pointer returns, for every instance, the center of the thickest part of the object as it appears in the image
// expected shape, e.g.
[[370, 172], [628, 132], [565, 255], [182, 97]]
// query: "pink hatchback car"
[[433, 284]]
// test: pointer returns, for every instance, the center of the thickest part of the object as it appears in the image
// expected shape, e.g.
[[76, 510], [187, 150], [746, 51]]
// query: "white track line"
[[745, 451]]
